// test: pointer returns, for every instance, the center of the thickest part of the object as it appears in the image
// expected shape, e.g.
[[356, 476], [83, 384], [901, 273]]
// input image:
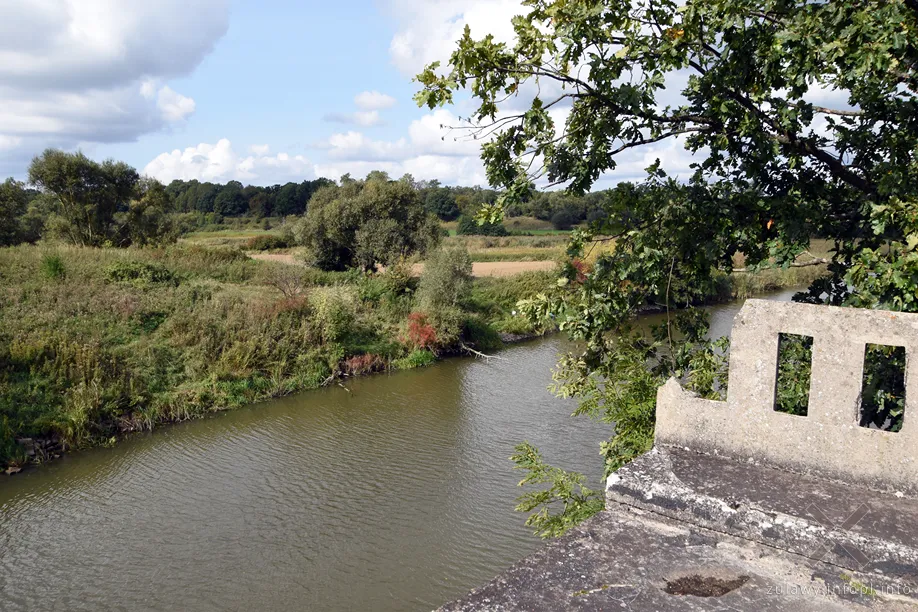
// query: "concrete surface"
[[784, 541], [623, 559]]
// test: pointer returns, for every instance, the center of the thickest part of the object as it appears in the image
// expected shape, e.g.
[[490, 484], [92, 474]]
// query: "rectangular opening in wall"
[[795, 362], [883, 387]]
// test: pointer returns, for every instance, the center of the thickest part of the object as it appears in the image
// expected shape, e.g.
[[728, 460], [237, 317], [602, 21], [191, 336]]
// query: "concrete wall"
[[828, 440]]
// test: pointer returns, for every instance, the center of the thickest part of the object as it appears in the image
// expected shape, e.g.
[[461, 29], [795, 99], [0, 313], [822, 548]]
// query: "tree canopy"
[[98, 204], [365, 223], [774, 166], [13, 203], [88, 193], [802, 120]]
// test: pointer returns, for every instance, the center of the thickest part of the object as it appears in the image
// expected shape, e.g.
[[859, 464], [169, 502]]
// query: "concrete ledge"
[[843, 525], [624, 558]]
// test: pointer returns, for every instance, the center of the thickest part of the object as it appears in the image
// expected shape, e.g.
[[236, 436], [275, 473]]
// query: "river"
[[393, 494]]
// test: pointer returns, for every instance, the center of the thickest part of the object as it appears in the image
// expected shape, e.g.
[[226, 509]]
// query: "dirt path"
[[479, 268]]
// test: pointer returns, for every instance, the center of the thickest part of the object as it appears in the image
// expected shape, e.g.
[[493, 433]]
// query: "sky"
[[259, 91]]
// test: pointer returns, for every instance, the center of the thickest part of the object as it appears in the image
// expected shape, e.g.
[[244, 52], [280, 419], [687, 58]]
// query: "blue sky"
[[258, 91], [281, 67]]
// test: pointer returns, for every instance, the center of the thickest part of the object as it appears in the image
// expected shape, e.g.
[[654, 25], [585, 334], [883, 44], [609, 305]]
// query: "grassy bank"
[[98, 342], [95, 343]]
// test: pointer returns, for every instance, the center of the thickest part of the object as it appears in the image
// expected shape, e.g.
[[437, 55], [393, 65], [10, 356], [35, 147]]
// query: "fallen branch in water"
[[469, 349]]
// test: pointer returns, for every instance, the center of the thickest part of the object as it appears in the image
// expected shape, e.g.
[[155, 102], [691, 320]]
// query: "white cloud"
[[429, 29], [9, 142], [104, 43], [220, 163], [428, 152], [97, 72], [361, 118], [433, 151], [373, 101], [370, 103], [174, 106]]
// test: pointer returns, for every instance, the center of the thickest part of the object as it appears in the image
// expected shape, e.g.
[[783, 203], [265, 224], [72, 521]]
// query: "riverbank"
[[98, 343]]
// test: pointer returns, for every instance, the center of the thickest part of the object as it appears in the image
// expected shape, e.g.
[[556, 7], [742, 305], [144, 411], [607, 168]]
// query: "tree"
[[203, 196], [229, 201], [446, 281], [377, 175], [88, 193], [445, 284], [801, 119], [148, 220], [564, 219], [441, 202], [286, 202], [14, 200], [365, 223]]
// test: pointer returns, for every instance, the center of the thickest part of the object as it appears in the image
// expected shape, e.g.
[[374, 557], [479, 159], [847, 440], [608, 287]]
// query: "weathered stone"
[[853, 528], [624, 558], [828, 441]]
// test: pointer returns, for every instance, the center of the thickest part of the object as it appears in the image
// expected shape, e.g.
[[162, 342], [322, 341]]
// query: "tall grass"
[[125, 339]]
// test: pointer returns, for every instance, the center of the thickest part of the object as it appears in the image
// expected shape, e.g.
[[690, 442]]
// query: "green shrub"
[[446, 280], [371, 289], [448, 324], [398, 277], [335, 311], [139, 274], [415, 359], [480, 335], [515, 325], [52, 267]]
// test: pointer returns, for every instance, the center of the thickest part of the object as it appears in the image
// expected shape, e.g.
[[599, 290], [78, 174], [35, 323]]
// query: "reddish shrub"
[[421, 334]]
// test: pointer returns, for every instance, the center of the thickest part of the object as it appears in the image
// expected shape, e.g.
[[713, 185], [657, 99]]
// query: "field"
[[520, 226]]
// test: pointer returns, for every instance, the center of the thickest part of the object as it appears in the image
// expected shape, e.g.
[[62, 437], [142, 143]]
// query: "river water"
[[395, 494]]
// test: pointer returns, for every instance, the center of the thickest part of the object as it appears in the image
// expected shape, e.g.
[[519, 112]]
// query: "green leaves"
[[800, 116], [566, 501]]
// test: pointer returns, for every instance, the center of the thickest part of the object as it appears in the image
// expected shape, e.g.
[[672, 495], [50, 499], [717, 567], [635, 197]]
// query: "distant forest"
[[448, 203], [92, 203]]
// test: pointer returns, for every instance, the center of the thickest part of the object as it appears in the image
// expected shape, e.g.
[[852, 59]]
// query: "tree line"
[[81, 201]]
